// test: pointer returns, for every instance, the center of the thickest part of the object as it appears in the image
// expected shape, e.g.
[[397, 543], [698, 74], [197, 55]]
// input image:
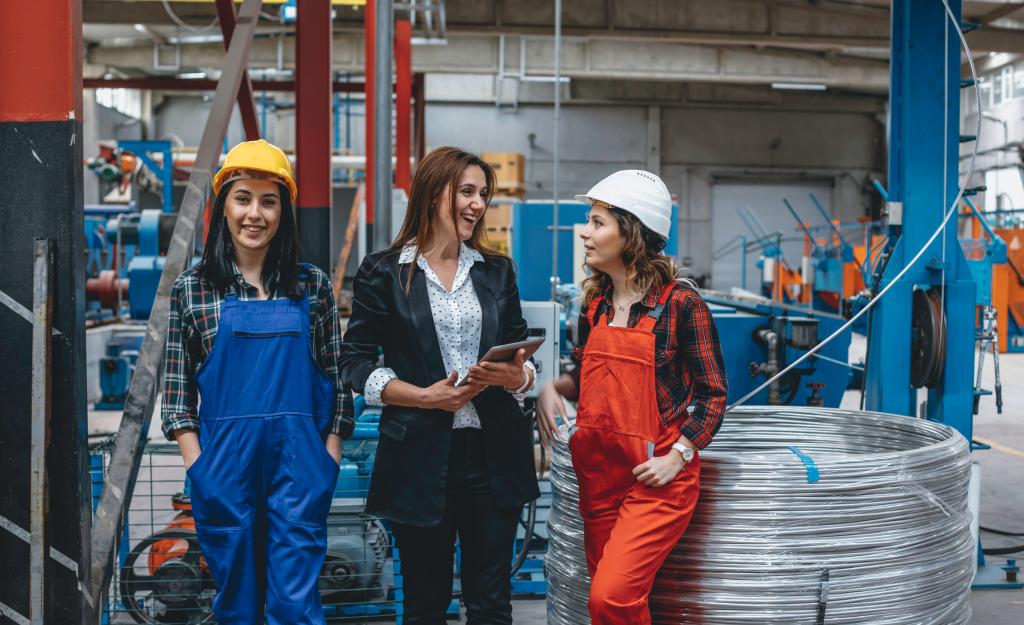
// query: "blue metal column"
[[919, 85]]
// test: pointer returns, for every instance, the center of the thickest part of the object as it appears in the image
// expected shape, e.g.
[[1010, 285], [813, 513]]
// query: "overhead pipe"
[[382, 173]]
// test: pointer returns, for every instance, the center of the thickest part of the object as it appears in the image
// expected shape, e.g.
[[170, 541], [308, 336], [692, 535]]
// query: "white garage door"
[[765, 201]]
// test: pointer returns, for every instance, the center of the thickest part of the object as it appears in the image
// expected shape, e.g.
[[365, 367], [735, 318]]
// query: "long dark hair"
[[646, 266], [281, 264], [438, 171]]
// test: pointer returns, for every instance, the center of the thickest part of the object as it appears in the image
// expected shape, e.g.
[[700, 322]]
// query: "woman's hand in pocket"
[[188, 443], [659, 470], [334, 447]]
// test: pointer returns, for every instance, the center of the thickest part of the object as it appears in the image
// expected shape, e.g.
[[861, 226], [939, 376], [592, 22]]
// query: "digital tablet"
[[506, 352]]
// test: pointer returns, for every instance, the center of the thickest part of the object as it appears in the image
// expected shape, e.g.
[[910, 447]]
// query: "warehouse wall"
[[697, 147]]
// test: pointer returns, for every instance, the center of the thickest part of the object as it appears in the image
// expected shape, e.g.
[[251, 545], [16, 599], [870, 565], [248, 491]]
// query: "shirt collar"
[[466, 254], [241, 282], [650, 300]]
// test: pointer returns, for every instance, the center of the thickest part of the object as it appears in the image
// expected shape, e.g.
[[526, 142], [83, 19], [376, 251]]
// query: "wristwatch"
[[687, 452]]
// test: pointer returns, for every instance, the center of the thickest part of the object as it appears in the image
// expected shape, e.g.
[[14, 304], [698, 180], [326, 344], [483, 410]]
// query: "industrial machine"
[[925, 314], [118, 365], [759, 337]]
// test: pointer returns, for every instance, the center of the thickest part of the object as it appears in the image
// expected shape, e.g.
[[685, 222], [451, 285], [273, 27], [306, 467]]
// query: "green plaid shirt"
[[192, 328]]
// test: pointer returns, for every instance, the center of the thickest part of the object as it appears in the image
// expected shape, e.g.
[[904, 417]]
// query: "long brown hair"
[[646, 267], [439, 171]]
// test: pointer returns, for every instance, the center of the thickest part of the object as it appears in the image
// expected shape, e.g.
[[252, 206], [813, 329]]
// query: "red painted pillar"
[[403, 104], [41, 198], [246, 107], [369, 39], [312, 129]]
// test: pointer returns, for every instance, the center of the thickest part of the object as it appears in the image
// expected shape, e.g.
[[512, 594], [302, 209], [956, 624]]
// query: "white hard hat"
[[638, 192]]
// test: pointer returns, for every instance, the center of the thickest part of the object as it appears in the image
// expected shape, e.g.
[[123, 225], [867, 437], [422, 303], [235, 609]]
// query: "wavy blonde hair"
[[646, 266]]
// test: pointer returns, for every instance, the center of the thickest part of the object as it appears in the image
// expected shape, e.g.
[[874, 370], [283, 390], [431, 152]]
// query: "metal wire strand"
[[881, 538]]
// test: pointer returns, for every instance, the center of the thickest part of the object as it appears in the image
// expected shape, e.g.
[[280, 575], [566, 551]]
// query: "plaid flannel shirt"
[[688, 360], [192, 328]]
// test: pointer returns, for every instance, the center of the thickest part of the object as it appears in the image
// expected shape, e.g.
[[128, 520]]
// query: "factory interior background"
[[847, 181]]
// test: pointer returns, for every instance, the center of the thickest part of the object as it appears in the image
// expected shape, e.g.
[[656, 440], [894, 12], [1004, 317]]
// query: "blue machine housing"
[[738, 322]]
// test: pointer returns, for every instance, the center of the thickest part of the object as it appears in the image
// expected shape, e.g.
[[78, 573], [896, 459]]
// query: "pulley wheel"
[[928, 341]]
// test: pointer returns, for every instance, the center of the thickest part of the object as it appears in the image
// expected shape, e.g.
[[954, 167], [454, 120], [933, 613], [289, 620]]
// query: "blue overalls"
[[262, 485]]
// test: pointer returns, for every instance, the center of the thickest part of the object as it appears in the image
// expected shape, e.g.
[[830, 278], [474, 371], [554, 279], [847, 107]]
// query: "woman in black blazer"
[[453, 461]]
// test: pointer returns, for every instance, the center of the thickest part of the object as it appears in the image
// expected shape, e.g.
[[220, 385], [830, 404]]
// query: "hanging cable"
[[913, 261], [182, 23], [992, 530]]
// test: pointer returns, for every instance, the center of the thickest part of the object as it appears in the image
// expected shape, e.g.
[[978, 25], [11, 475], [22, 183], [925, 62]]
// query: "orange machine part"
[[1008, 285], [164, 550]]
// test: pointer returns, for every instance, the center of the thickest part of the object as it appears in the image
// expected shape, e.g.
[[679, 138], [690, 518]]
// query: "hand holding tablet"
[[495, 365]]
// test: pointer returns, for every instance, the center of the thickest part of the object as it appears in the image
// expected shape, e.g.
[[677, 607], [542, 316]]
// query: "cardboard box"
[[500, 239], [509, 169], [499, 216]]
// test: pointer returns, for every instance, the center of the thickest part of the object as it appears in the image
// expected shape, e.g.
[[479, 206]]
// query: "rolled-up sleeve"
[[328, 339], [699, 346], [180, 403], [374, 392]]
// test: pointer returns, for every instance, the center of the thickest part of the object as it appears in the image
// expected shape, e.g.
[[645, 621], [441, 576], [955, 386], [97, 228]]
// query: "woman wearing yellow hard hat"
[[254, 335]]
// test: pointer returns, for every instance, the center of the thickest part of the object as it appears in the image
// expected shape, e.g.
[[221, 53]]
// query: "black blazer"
[[409, 482]]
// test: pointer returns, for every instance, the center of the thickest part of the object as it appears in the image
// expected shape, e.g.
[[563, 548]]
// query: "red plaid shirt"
[[688, 360]]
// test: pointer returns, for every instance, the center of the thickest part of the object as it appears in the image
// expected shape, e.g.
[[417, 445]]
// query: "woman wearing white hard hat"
[[651, 388]]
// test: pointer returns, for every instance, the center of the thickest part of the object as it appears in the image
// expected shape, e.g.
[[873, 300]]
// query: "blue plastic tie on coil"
[[812, 469]]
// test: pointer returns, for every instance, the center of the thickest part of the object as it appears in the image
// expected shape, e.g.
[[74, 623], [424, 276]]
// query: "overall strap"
[[651, 318], [592, 310]]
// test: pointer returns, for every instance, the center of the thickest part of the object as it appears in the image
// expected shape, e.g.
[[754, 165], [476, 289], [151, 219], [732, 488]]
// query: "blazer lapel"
[[488, 307], [423, 322]]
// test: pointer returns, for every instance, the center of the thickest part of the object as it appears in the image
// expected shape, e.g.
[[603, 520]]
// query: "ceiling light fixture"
[[799, 86]]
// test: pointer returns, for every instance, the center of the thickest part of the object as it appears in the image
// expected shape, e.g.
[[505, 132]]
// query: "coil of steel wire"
[[882, 537]]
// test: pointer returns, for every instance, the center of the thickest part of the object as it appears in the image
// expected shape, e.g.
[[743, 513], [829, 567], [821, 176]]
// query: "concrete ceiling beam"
[[581, 58]]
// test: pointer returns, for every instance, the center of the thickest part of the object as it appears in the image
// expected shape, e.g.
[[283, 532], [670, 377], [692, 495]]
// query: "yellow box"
[[509, 168], [500, 239], [499, 216]]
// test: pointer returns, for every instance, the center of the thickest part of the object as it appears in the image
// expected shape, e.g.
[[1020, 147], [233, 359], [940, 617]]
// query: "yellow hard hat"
[[256, 159]]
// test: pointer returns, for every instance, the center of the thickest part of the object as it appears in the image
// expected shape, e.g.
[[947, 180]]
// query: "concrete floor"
[[1002, 500]]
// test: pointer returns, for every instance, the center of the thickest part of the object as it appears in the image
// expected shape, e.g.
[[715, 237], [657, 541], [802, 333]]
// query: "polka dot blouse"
[[457, 320]]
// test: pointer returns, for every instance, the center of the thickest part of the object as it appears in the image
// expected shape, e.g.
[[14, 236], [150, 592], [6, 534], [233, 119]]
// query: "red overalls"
[[629, 528]]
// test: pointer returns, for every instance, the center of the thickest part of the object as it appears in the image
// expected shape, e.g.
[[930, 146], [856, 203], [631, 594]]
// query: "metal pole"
[[313, 77], [382, 126], [369, 97], [555, 278], [42, 322], [743, 262]]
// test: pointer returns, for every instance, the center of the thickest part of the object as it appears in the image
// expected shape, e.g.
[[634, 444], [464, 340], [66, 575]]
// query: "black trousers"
[[486, 534]]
